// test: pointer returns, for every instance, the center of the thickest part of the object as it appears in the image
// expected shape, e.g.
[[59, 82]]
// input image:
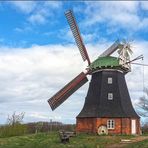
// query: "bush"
[[48, 127], [145, 128], [10, 130], [19, 129]]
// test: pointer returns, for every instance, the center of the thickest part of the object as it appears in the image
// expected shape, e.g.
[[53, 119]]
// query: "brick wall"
[[122, 125], [86, 125]]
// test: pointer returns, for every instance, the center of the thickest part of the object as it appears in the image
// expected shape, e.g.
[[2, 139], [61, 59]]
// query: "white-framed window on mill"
[[110, 96], [110, 124], [109, 80]]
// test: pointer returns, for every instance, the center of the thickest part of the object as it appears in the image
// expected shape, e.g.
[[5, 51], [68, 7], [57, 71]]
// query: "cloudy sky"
[[38, 55]]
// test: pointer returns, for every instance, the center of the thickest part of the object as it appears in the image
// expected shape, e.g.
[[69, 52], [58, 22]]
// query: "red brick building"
[[121, 125], [108, 108]]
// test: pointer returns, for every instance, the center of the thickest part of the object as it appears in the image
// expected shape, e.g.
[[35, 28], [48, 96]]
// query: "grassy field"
[[43, 140]]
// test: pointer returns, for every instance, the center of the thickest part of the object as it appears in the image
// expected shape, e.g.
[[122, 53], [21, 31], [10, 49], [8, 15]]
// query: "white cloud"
[[66, 34], [29, 76], [35, 74], [53, 4], [37, 12], [89, 37], [144, 5], [118, 14], [45, 12], [24, 6], [37, 18], [38, 116], [23, 29]]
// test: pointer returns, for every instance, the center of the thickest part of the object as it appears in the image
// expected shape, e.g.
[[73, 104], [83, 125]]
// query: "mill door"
[[133, 126]]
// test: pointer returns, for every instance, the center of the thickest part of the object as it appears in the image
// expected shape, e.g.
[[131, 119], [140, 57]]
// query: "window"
[[110, 96], [110, 124], [110, 80]]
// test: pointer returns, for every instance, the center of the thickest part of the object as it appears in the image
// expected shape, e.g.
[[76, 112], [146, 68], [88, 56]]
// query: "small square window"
[[110, 124], [110, 80], [110, 96]]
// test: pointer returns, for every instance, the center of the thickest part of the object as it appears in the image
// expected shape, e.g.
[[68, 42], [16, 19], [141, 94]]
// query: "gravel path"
[[125, 142]]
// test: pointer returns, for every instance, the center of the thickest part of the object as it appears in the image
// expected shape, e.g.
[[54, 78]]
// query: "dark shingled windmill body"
[[108, 108]]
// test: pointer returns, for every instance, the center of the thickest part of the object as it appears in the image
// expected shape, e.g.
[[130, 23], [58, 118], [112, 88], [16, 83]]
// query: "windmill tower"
[[107, 108]]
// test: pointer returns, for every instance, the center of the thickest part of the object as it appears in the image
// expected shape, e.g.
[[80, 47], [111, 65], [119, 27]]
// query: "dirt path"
[[125, 142]]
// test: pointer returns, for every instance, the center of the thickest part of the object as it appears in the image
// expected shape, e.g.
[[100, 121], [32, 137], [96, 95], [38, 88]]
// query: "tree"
[[15, 119], [143, 104], [38, 127]]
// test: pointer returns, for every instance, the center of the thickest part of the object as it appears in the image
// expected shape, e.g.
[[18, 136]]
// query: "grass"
[[51, 140]]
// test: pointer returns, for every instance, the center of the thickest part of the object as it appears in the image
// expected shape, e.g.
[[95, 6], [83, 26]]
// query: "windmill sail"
[[76, 33], [110, 50], [68, 90], [125, 49]]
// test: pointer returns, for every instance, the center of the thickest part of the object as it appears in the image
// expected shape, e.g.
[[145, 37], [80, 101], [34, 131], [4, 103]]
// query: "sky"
[[38, 54]]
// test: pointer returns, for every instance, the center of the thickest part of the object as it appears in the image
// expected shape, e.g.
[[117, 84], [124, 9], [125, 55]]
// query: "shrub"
[[13, 130], [145, 128]]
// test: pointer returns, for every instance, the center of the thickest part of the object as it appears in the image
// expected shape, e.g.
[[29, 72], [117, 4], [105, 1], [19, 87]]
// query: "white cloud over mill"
[[29, 76]]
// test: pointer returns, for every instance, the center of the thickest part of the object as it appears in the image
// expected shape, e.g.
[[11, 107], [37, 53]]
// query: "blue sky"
[[27, 23], [38, 54]]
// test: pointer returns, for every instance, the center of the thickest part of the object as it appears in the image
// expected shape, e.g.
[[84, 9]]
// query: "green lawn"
[[52, 140]]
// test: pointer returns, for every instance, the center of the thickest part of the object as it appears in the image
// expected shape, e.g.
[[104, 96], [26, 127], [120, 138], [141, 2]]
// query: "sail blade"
[[76, 33], [67, 91], [110, 50]]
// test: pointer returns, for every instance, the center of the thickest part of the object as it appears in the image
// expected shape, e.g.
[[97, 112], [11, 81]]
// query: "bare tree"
[[38, 127], [15, 118], [143, 104]]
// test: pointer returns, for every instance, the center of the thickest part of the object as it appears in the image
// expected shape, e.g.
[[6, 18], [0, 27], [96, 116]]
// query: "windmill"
[[107, 107]]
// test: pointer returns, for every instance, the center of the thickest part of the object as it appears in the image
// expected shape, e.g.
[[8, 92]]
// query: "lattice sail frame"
[[76, 33], [67, 90]]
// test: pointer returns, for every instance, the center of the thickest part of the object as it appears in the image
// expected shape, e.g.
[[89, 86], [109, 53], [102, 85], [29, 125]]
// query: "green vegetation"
[[30, 141], [13, 130], [45, 135], [13, 126], [52, 140]]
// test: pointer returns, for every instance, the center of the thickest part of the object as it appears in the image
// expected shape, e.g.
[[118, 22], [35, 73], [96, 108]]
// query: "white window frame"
[[110, 96], [110, 80], [110, 124]]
